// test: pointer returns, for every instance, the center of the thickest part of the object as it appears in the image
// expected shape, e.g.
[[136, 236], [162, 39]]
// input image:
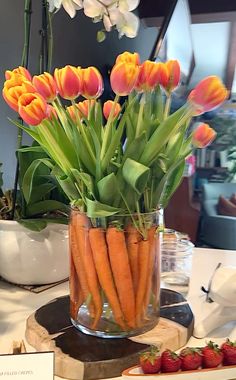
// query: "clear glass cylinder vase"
[[114, 274]]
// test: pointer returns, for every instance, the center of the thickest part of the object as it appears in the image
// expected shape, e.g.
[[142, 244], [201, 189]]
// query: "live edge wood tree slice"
[[83, 357]]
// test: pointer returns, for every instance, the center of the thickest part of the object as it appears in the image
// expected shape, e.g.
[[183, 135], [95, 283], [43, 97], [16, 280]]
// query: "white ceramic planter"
[[33, 258]]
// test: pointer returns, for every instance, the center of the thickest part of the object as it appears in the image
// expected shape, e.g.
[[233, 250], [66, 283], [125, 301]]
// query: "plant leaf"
[[108, 189], [46, 206], [136, 175], [97, 209]]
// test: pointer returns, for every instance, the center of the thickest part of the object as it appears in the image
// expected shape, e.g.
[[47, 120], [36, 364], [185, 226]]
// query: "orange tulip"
[[45, 86], [107, 107], [209, 94], [123, 78], [128, 58], [71, 111], [92, 83], [68, 81], [84, 107], [203, 135], [150, 75], [19, 70], [51, 112], [32, 108], [14, 88], [170, 79]]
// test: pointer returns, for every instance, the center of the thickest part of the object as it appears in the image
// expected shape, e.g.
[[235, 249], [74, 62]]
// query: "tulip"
[[32, 108], [203, 135], [19, 70], [51, 112], [71, 111], [14, 88], [92, 83], [209, 94], [68, 81], [45, 86], [123, 78], [128, 58], [150, 75], [85, 106], [108, 106], [170, 80]]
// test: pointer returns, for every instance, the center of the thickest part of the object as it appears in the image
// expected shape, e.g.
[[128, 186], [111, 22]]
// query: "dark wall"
[[74, 43]]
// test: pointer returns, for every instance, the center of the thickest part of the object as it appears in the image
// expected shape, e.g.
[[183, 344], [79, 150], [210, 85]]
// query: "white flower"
[[127, 5], [70, 6], [93, 8], [126, 23]]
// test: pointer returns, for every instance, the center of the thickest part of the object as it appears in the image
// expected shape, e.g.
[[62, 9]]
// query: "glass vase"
[[114, 274]]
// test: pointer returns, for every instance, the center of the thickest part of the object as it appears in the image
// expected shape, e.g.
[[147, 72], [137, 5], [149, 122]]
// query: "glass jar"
[[176, 262], [115, 274]]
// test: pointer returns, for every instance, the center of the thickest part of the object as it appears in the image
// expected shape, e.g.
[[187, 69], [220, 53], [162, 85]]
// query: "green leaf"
[[40, 191], [136, 175], [136, 147], [101, 36], [108, 189], [96, 209], [37, 149], [85, 178], [172, 184], [46, 206], [36, 225]]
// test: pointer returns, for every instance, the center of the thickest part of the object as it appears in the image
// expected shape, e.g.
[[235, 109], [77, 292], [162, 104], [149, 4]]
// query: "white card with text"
[[33, 366]]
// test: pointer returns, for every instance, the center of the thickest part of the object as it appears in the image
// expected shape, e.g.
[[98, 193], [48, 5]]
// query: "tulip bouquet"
[[113, 161]]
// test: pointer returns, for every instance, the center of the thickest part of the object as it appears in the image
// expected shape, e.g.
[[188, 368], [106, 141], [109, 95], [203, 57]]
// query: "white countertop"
[[17, 304]]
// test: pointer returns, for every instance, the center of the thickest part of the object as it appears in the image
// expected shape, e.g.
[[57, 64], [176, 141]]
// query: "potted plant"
[[118, 166]]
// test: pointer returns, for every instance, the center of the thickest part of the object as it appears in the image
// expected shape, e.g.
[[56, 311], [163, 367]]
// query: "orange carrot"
[[121, 272], [143, 263], [152, 253], [132, 239], [76, 296], [82, 237], [102, 264], [79, 266]]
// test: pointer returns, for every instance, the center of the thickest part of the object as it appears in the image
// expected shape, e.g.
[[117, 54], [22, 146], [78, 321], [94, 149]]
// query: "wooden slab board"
[[82, 357]]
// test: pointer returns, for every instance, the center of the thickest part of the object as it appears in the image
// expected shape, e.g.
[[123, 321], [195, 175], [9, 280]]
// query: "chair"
[[216, 230]]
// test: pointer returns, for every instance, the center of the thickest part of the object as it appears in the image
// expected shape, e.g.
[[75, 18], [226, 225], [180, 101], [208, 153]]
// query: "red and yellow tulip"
[[85, 106], [32, 108], [69, 82], [123, 78], [14, 88], [171, 76], [19, 70], [203, 135], [92, 83], [209, 94], [45, 86], [128, 57], [108, 106], [150, 75]]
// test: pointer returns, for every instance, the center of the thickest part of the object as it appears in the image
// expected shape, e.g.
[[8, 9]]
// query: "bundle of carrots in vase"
[[119, 165]]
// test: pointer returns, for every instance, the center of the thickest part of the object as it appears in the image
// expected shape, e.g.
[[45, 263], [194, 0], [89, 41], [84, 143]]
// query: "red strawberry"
[[170, 361], [191, 358], [229, 350], [211, 355], [150, 361]]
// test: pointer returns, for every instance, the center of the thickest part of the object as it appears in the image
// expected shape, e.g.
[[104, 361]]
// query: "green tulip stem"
[[167, 106], [140, 115], [108, 127], [141, 226]]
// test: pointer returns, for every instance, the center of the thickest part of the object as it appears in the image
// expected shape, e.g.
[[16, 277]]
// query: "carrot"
[[132, 240], [121, 272], [79, 266], [102, 264], [76, 296], [152, 254], [143, 263], [82, 238]]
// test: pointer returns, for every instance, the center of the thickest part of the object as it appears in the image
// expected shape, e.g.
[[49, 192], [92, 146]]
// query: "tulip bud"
[[123, 78], [51, 112], [128, 57], [84, 107], [71, 111], [203, 135], [150, 75], [14, 88], [92, 83], [19, 70], [170, 81], [45, 86], [32, 108], [107, 107], [68, 81], [209, 94]]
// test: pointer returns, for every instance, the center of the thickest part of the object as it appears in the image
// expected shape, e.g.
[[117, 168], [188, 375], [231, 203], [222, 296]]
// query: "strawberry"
[[229, 351], [150, 360], [170, 361], [211, 355], [191, 358]]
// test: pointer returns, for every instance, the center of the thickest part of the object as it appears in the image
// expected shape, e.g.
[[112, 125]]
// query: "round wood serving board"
[[83, 357]]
